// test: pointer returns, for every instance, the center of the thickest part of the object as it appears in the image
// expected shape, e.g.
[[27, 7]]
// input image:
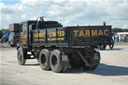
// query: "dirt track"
[[113, 70]]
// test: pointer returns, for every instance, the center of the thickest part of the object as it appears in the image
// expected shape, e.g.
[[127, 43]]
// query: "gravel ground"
[[113, 70]]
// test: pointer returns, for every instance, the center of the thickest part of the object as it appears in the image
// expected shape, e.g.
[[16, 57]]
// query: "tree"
[[4, 31], [115, 30]]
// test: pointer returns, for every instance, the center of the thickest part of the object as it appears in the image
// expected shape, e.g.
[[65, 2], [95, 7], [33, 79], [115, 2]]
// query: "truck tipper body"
[[57, 47]]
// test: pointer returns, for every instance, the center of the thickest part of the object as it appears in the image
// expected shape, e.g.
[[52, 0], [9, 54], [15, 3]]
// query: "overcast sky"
[[67, 12]]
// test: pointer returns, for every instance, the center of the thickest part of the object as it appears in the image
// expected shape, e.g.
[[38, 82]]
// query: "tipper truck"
[[58, 48]]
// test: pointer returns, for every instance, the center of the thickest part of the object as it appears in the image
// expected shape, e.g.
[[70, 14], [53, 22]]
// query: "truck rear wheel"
[[56, 63], [44, 59], [21, 56]]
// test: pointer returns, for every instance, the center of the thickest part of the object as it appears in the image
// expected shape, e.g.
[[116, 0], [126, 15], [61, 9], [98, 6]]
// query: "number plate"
[[64, 58]]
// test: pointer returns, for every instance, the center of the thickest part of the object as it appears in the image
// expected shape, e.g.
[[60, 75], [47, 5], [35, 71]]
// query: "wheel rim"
[[54, 60], [19, 56], [43, 59]]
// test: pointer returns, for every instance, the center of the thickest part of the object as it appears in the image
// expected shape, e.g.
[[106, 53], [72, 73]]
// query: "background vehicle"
[[13, 38], [14, 34], [5, 37], [1, 34], [104, 45], [56, 47]]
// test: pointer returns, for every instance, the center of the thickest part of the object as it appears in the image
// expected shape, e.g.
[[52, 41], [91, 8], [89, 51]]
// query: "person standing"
[[40, 23]]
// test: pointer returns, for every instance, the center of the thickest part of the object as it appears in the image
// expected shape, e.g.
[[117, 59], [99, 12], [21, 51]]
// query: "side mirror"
[[33, 27]]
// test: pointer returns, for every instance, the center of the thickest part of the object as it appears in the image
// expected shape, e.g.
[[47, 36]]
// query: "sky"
[[67, 12]]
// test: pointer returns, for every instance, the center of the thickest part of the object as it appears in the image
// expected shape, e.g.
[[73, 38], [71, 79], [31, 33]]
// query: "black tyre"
[[111, 45], [44, 59], [21, 56], [56, 63]]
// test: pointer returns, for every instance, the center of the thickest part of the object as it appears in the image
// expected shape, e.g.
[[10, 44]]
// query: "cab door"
[[35, 36], [23, 35]]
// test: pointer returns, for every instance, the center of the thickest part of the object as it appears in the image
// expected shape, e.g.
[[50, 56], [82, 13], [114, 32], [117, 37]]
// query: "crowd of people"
[[121, 37]]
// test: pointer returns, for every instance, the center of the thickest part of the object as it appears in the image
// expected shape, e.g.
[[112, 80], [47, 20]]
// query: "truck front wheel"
[[56, 63], [44, 59], [21, 54]]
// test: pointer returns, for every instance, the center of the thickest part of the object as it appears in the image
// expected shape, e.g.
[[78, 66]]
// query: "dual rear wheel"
[[44, 59], [56, 61], [53, 61]]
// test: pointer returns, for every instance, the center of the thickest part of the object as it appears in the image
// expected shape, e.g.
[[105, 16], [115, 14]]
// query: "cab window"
[[24, 28]]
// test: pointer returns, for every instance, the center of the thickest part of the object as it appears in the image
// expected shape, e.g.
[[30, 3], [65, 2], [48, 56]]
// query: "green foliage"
[[4, 31], [115, 30], [125, 30]]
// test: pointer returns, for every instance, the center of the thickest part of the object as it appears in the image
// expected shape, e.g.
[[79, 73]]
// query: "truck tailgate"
[[89, 35]]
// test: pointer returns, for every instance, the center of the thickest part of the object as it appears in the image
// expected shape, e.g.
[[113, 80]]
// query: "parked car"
[[1, 34], [13, 38], [5, 37]]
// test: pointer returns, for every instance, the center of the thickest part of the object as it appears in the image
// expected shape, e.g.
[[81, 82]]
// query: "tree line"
[[115, 30], [4, 31]]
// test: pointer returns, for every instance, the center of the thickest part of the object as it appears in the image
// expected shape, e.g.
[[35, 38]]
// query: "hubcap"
[[43, 59], [54, 60]]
